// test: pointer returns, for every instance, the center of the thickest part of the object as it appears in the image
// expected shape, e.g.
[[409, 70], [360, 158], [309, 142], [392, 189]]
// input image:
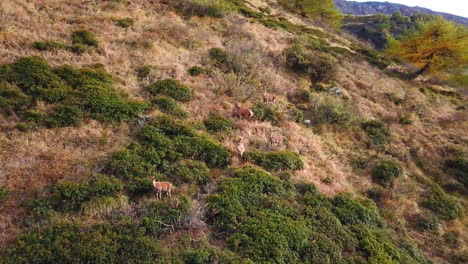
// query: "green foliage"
[[4, 193], [13, 100], [458, 166], [333, 111], [125, 22], [386, 171], [49, 45], [169, 106], [276, 160], [196, 70], [356, 211], [171, 88], [218, 55], [189, 171], [40, 208], [429, 223], [266, 113], [444, 206], [172, 128], [379, 132], [71, 243], [158, 217], [69, 196], [204, 149], [319, 66], [319, 10], [322, 250], [64, 115], [84, 37], [211, 8], [218, 123], [375, 58]]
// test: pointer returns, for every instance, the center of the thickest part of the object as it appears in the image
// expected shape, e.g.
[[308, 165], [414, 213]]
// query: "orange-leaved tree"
[[436, 46]]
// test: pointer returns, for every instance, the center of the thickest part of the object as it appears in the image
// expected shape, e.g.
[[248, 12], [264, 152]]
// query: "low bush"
[[64, 115], [275, 160], [457, 166], [334, 111], [218, 55], [13, 100], [172, 128], [49, 45], [264, 112], [168, 106], [171, 88], [375, 58], [211, 8], [444, 206], [427, 223], [319, 66], [218, 123], [377, 131], [84, 37], [203, 149], [4, 193], [161, 216], [125, 22], [196, 70], [322, 250], [40, 209], [189, 171], [386, 171], [356, 211]]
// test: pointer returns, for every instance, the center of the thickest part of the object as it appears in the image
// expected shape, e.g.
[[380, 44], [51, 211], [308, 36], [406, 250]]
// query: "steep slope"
[[81, 191], [388, 8]]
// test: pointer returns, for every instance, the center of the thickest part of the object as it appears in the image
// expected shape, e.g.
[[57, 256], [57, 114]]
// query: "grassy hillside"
[[97, 98]]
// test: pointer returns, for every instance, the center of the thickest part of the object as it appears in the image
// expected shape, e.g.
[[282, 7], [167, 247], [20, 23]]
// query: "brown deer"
[[240, 148], [160, 187], [242, 112], [268, 98], [275, 140]]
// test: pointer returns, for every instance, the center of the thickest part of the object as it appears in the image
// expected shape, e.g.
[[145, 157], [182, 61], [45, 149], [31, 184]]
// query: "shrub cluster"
[[218, 55], [386, 171], [69, 196], [264, 112], [49, 45], [379, 132], [84, 37], [4, 193], [458, 166], [169, 106], [267, 220], [202, 8], [275, 160], [171, 88], [218, 123], [76, 93], [319, 66], [444, 206], [334, 111], [125, 22], [196, 70]]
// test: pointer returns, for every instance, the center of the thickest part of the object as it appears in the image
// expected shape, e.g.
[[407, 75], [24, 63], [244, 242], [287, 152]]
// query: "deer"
[[275, 140], [268, 98], [242, 112], [160, 187], [240, 148]]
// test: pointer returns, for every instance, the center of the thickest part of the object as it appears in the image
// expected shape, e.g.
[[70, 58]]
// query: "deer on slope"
[[161, 187], [242, 112]]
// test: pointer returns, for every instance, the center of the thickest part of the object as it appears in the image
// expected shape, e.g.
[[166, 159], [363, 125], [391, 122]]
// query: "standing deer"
[[242, 112], [275, 140], [240, 148], [160, 187], [268, 98]]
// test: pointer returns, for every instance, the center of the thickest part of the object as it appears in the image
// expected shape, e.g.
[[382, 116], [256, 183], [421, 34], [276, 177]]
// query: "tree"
[[436, 46], [322, 10]]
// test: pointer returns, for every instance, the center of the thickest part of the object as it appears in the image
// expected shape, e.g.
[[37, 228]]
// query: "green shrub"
[[295, 114], [49, 45], [458, 166], [212, 8], [144, 71], [356, 211], [376, 246], [275, 160], [218, 55], [266, 113], [378, 131], [13, 100], [34, 119], [64, 115], [4, 193], [319, 66], [84, 37], [444, 206], [334, 111], [196, 70], [101, 185], [172, 128], [171, 88], [385, 172], [429, 223], [203, 149], [189, 171], [150, 135], [125, 22], [322, 250], [375, 58], [78, 48], [169, 106], [40, 208], [218, 123], [159, 217], [69, 196]]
